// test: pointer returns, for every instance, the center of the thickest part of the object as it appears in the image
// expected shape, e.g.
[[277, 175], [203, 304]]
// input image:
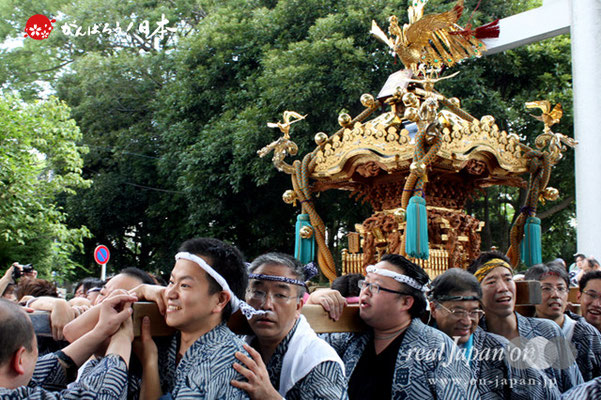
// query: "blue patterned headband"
[[277, 278]]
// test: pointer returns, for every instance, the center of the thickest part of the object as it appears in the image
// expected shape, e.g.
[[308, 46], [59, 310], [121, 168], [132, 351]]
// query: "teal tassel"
[[531, 245], [304, 249], [416, 236]]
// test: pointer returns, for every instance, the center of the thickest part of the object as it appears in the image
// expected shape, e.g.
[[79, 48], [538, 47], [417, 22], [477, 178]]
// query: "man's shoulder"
[[420, 333], [584, 328], [488, 339], [26, 392], [541, 327], [223, 340]]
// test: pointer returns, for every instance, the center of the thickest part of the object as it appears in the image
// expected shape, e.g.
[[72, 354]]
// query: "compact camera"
[[19, 272]]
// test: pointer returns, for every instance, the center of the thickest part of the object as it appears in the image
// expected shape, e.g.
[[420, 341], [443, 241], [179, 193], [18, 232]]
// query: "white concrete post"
[[586, 77]]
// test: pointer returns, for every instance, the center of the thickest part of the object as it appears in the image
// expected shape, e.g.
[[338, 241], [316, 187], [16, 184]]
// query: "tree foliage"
[[173, 126], [39, 160]]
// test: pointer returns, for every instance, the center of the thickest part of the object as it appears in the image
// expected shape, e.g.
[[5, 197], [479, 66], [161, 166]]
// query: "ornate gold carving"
[[368, 169], [283, 146], [433, 40], [379, 140]]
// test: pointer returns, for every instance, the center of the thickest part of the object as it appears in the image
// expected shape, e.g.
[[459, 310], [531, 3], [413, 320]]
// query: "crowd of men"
[[457, 337]]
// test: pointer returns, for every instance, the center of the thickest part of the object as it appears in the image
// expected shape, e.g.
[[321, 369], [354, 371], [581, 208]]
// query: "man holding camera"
[[15, 272]]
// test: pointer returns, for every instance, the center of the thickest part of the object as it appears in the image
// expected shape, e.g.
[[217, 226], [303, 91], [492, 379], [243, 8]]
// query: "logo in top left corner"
[[38, 27]]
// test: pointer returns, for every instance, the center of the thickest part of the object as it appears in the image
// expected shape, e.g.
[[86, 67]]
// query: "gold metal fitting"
[[550, 194], [320, 138], [455, 101], [418, 167], [289, 196], [367, 100], [410, 100], [306, 232], [344, 120], [399, 213], [411, 114]]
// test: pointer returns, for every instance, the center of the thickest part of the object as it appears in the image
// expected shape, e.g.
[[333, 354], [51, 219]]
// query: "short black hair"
[[88, 283], [414, 271], [226, 260], [294, 265], [347, 284], [578, 255], [16, 330], [452, 282], [139, 274], [484, 257], [587, 277], [536, 272], [593, 262]]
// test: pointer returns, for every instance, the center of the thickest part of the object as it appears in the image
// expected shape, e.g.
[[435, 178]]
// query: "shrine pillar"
[[586, 76]]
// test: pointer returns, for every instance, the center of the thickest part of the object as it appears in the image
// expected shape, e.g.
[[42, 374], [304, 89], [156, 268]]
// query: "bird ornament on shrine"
[[434, 40]]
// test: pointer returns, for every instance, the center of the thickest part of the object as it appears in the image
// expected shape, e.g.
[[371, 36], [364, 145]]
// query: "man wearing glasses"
[[456, 309], [493, 271], [554, 282], [287, 358], [590, 298], [399, 357]]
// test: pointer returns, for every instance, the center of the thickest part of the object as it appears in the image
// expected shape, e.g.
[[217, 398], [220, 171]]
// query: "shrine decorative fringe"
[[416, 230], [531, 247], [304, 249]]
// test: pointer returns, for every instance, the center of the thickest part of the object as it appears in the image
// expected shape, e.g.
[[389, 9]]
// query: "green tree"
[[39, 160]]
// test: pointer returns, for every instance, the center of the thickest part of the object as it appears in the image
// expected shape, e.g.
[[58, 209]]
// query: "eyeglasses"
[[592, 295], [551, 289], [260, 296], [375, 288], [461, 314]]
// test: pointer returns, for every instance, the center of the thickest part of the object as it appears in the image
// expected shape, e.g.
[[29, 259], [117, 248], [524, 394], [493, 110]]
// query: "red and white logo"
[[38, 27]]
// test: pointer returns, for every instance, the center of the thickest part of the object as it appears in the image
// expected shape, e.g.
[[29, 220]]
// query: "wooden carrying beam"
[[527, 293]]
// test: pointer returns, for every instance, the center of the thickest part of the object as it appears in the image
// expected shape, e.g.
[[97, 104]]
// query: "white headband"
[[237, 304], [397, 277]]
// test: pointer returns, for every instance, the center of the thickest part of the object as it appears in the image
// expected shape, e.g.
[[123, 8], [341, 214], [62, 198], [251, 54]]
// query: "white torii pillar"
[[581, 18], [586, 81]]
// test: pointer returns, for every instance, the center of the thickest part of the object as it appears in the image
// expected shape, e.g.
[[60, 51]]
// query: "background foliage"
[[173, 125]]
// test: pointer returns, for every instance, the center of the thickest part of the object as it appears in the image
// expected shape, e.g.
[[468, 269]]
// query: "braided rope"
[[416, 183], [300, 184], [540, 173]]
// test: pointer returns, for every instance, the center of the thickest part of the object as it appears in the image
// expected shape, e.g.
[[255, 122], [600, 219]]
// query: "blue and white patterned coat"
[[205, 370], [591, 390], [587, 340], [530, 328], [428, 365], [106, 381], [496, 378]]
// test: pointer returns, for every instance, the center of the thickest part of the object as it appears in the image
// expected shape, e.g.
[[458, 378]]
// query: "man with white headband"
[[400, 356], [206, 284], [493, 271], [287, 360]]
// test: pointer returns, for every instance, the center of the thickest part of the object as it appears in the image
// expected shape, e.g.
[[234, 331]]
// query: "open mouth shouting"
[[504, 300]]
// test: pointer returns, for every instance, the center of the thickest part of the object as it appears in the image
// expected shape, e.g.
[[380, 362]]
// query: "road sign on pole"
[[102, 256]]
